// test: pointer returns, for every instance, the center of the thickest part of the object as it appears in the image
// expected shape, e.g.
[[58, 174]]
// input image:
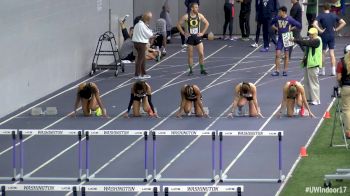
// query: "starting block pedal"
[[142, 112], [37, 111], [206, 110], [242, 111], [51, 111]]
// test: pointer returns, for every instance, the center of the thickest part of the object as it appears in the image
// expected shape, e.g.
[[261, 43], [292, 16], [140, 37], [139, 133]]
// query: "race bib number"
[[194, 31], [286, 39]]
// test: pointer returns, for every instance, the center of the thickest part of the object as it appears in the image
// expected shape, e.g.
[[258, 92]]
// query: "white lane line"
[[125, 83], [233, 66], [306, 146], [251, 140], [138, 139], [208, 127], [48, 99], [193, 67]]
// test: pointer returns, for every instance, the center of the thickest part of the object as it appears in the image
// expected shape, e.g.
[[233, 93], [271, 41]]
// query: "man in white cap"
[[312, 62]]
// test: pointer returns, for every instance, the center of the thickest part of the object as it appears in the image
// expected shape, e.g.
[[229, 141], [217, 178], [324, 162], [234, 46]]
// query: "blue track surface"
[[227, 63]]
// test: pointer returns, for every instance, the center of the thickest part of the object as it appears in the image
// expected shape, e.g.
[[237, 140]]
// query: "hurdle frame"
[[115, 189], [43, 132], [158, 178], [341, 174], [11, 132], [143, 133], [251, 133], [38, 188], [201, 188]]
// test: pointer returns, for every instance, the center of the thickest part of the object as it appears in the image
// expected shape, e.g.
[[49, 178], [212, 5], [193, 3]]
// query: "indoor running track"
[[227, 63]]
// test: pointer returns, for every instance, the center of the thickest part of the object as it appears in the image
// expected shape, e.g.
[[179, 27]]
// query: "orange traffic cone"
[[303, 152], [327, 115]]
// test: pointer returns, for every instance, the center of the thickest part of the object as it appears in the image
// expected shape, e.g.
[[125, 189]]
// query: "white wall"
[[46, 44]]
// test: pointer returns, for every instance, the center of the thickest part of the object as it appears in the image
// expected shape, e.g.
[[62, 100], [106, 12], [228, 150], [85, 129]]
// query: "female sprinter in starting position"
[[294, 94], [89, 96], [245, 93], [141, 93], [191, 96]]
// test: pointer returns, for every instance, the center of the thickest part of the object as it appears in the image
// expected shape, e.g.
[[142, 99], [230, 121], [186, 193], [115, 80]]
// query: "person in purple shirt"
[[283, 24]]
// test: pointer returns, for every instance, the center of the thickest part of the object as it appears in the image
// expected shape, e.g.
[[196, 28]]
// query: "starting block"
[[206, 110], [37, 111], [142, 112], [51, 111]]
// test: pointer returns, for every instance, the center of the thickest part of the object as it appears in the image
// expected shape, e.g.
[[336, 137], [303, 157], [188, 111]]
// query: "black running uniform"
[[193, 29], [248, 96]]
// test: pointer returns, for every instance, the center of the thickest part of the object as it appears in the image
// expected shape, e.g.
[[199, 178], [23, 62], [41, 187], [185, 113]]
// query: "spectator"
[[142, 34], [283, 24], [296, 13], [265, 9], [343, 77], [126, 50], [244, 17], [165, 14], [311, 12], [229, 10], [328, 24], [311, 63]]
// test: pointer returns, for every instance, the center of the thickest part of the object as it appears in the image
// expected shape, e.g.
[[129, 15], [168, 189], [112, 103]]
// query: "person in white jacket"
[[141, 36]]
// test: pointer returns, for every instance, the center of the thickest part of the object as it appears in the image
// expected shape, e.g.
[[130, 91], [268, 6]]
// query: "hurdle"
[[119, 189], [38, 188], [12, 133], [144, 133], [341, 174], [198, 133], [251, 133], [50, 132], [200, 189]]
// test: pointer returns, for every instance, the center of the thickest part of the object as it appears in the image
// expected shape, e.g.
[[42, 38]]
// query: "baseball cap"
[[313, 31], [347, 49]]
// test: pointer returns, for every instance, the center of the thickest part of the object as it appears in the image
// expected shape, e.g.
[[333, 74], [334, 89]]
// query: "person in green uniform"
[[194, 35]]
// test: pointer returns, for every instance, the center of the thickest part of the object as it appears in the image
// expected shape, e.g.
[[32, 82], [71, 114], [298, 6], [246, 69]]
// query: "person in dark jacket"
[[296, 13], [265, 9]]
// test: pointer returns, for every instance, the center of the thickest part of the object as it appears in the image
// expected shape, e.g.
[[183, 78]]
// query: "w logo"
[[282, 24]]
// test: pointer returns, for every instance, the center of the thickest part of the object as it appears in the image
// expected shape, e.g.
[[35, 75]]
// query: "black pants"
[[244, 24], [296, 35], [174, 30], [310, 19], [228, 20], [266, 23], [159, 41], [257, 33]]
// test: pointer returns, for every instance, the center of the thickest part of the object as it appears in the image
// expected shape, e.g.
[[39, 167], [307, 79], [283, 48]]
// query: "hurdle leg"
[[3, 190], [21, 161], [281, 176], [213, 156], [155, 191], [14, 155], [220, 156], [80, 157], [146, 157], [154, 157], [87, 138], [83, 192]]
